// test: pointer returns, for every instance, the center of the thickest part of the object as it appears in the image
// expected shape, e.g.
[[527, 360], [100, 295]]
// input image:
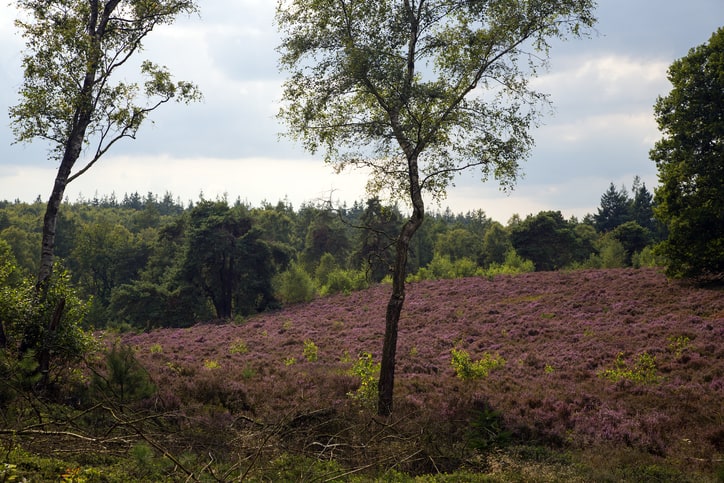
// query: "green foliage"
[[18, 374], [442, 267], [487, 430], [123, 379], [310, 351], [349, 90], [48, 324], [226, 259], [512, 264], [458, 243], [633, 237], [327, 264], [546, 239], [466, 369], [496, 244], [325, 235], [647, 258], [238, 347], [69, 42], [344, 281], [615, 210], [611, 254], [643, 370], [690, 162], [289, 467], [379, 226], [368, 371], [294, 285], [678, 344]]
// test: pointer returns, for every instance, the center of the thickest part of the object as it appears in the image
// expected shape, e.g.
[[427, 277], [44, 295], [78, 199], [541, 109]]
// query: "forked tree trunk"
[[386, 382]]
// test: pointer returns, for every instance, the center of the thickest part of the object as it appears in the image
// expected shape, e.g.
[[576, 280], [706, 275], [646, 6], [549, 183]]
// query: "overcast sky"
[[603, 90]]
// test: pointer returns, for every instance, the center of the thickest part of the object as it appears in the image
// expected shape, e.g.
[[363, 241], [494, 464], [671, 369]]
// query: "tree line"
[[149, 261]]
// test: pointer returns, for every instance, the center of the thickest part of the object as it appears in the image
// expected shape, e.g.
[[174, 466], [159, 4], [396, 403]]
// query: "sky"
[[602, 127]]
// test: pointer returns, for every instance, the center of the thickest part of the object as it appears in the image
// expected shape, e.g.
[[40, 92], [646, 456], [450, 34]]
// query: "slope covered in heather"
[[597, 360]]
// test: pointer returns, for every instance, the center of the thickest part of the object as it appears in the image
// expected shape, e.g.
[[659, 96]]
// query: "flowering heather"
[[557, 331]]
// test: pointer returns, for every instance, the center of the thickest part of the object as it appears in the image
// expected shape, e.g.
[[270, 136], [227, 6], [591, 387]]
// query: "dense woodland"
[[151, 261]]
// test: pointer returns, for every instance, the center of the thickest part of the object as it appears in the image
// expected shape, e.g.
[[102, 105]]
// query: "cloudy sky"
[[603, 90]]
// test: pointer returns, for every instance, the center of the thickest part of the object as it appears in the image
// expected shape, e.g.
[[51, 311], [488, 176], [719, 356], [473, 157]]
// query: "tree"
[[690, 162], [547, 239], [416, 91], [227, 259], [459, 243], [633, 237], [325, 234], [642, 206], [68, 97], [496, 243], [379, 225], [615, 209]]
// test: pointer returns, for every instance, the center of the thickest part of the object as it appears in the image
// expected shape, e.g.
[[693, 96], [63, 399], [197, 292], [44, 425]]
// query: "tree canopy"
[[72, 94], [690, 162]]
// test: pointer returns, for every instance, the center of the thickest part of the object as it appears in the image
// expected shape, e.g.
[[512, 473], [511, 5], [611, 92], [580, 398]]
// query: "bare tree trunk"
[[50, 220], [386, 382]]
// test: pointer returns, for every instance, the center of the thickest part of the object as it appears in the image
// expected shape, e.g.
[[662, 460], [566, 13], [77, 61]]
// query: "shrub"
[[487, 430], [294, 285], [466, 369], [238, 347], [642, 372], [678, 345], [311, 351], [344, 281], [441, 267], [647, 258], [512, 265], [26, 317], [368, 372], [123, 379]]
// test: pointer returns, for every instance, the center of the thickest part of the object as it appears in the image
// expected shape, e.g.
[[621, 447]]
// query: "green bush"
[[123, 379], [512, 265], [344, 281], [311, 351], [466, 369], [368, 372], [294, 285], [49, 324], [643, 370]]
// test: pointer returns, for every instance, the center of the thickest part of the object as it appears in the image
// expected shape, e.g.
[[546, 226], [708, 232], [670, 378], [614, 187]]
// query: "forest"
[[145, 262]]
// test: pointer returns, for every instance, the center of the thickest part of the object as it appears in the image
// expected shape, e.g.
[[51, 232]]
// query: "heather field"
[[602, 375]]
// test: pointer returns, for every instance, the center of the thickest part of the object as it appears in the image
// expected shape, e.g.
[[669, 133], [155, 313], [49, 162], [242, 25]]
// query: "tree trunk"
[[50, 219], [73, 146], [71, 152], [386, 382]]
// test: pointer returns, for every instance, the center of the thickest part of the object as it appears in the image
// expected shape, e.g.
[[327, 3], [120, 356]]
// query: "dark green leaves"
[[690, 160]]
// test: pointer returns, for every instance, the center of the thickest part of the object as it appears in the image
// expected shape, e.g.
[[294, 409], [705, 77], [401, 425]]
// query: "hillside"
[[661, 342]]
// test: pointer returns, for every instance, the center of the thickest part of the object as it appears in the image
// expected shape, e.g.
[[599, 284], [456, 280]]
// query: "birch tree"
[[416, 91]]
